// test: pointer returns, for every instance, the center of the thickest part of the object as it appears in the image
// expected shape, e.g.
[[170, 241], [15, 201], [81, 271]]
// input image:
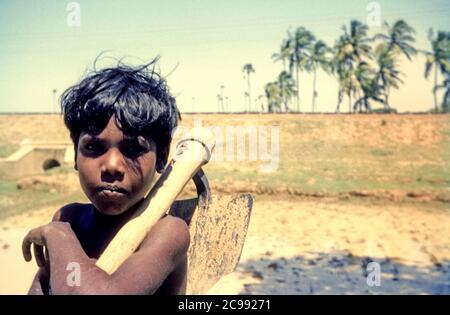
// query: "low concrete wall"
[[30, 160]]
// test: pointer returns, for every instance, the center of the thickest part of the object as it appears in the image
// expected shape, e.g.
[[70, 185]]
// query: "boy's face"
[[115, 169]]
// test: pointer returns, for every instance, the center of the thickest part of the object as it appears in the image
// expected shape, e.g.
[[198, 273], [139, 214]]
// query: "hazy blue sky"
[[206, 42]]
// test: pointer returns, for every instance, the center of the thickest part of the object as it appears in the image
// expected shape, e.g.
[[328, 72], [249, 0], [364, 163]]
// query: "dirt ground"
[[307, 246]]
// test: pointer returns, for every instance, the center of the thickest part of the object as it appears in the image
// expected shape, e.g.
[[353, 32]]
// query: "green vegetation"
[[15, 201], [311, 162], [7, 149]]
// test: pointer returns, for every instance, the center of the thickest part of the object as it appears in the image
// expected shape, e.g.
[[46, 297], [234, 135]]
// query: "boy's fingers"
[[47, 257], [39, 255], [33, 237], [26, 249]]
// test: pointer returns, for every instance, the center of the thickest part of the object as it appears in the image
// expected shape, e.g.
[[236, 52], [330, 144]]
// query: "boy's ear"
[[75, 166], [160, 167]]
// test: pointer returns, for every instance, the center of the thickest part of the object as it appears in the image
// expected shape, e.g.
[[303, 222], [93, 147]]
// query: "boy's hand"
[[39, 238]]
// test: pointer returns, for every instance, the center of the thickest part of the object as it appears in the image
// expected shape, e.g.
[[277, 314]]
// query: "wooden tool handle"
[[192, 152]]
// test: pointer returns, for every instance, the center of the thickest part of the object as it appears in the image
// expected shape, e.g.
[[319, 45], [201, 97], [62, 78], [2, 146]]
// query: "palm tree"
[[272, 91], [357, 43], [343, 82], [318, 59], [399, 38], [260, 100], [350, 49], [286, 87], [439, 57], [221, 97], [300, 43], [446, 100], [387, 73], [219, 100], [284, 54], [341, 66], [248, 69], [367, 83], [279, 93]]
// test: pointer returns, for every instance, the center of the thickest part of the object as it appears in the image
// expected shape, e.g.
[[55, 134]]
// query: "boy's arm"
[[163, 251], [73, 272], [40, 282]]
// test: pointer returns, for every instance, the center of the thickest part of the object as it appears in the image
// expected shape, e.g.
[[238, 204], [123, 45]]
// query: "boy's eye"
[[93, 147], [134, 150]]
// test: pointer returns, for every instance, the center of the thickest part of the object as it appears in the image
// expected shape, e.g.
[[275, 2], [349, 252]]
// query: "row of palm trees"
[[439, 58], [366, 68]]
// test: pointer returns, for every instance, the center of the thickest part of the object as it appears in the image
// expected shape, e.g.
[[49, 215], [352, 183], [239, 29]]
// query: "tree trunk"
[[357, 103], [366, 103], [314, 91], [249, 95], [298, 90], [221, 98], [338, 107], [350, 102], [435, 85], [283, 97]]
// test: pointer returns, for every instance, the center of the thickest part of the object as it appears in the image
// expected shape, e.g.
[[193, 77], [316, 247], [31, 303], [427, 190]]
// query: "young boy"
[[120, 121]]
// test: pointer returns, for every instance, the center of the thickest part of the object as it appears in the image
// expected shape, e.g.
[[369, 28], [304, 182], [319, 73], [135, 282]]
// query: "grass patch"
[[63, 169], [380, 152], [14, 201], [317, 166], [8, 149], [7, 187]]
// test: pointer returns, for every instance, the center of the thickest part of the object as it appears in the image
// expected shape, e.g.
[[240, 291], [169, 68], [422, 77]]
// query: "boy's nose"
[[113, 163]]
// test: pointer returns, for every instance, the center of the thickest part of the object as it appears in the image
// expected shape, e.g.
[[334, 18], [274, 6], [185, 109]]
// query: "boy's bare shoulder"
[[170, 220], [176, 225], [71, 212], [172, 230]]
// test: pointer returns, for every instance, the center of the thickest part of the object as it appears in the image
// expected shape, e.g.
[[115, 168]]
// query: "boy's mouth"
[[112, 190]]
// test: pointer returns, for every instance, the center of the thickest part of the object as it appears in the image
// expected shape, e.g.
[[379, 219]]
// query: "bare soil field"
[[305, 246]]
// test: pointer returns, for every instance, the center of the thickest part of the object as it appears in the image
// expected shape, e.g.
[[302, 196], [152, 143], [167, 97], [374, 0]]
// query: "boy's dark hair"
[[137, 96]]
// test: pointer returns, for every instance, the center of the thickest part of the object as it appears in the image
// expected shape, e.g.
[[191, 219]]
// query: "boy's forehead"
[[113, 129], [107, 135]]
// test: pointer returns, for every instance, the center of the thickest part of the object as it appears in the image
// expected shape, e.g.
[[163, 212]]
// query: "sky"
[[202, 45]]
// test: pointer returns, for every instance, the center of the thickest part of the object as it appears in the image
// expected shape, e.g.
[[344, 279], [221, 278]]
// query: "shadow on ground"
[[342, 273]]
